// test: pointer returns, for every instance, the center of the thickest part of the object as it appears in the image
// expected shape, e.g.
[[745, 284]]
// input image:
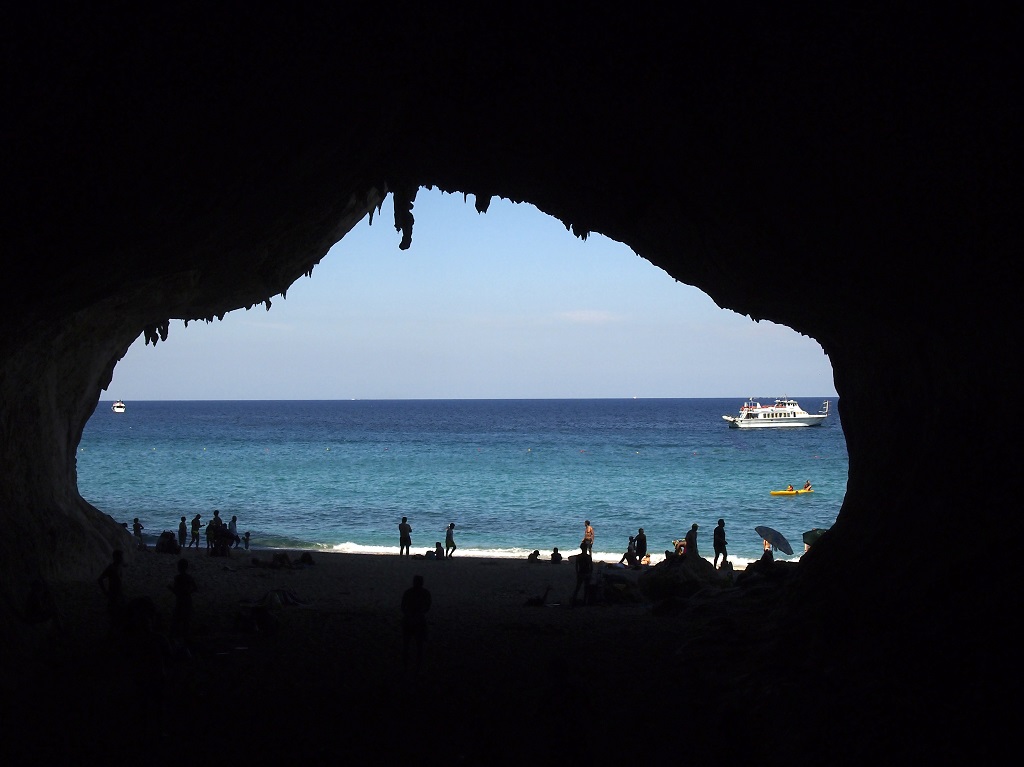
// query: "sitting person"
[[534, 557], [789, 487], [438, 550], [807, 485], [555, 556], [630, 556]]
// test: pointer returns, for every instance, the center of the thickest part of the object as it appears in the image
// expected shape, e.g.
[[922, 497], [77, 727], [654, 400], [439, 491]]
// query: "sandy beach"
[[502, 681]]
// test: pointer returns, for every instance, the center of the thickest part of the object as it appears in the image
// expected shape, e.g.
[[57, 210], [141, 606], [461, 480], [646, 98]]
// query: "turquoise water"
[[514, 475]]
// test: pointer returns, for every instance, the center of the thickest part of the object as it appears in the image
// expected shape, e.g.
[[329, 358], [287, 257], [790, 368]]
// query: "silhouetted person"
[[233, 529], [641, 545], [111, 584], [184, 586], [630, 556], [720, 543], [137, 529], [449, 540], [197, 529], [40, 606], [588, 538], [584, 567], [534, 557], [404, 537], [182, 533], [415, 605], [691, 541], [245, 540], [556, 556]]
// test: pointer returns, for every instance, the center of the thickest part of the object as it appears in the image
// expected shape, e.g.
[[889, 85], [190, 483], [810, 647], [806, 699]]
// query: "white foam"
[[739, 563]]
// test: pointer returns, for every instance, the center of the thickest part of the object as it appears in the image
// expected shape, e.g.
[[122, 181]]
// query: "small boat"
[[118, 406], [784, 413], [791, 492]]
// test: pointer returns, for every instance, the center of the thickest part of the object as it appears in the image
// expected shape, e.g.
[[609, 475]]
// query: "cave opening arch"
[[657, 335]]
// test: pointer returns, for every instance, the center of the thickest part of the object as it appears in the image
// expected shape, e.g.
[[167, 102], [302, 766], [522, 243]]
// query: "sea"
[[513, 475]]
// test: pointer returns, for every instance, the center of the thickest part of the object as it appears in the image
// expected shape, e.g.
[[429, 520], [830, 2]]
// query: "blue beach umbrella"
[[775, 539]]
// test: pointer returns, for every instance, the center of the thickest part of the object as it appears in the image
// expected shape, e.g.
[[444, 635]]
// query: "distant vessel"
[[784, 413], [118, 407], [791, 492]]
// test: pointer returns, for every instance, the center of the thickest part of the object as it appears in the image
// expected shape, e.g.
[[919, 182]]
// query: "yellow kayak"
[[791, 492]]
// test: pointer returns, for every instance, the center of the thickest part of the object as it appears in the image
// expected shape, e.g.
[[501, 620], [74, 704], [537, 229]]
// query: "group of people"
[[123, 613], [687, 545], [220, 535], [636, 553], [439, 552]]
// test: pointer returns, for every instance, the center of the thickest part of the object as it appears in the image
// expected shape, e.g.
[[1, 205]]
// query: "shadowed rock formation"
[[179, 165]]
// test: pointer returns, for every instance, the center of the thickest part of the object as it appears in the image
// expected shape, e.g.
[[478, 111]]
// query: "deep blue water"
[[514, 475]]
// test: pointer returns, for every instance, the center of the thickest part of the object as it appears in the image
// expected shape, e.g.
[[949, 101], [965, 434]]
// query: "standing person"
[[588, 538], [197, 528], [137, 528], [584, 567], [415, 605], [720, 543], [182, 533], [111, 583], [404, 537], [691, 541], [449, 540], [641, 545], [233, 529], [183, 587]]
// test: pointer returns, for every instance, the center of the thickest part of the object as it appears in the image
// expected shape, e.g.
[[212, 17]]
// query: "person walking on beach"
[[183, 587], [233, 529], [415, 605], [691, 541], [641, 545], [449, 541], [182, 533], [588, 537], [720, 543], [584, 567], [404, 537], [197, 527]]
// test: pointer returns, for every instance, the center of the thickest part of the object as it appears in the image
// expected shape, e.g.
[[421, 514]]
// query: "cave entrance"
[[500, 306]]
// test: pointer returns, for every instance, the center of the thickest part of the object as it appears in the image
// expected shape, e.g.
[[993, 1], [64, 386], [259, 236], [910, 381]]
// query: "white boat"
[[784, 413], [118, 406]]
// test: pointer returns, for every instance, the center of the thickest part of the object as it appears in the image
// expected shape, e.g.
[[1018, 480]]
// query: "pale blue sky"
[[506, 304]]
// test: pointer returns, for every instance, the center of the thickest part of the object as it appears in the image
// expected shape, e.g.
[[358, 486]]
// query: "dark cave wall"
[[213, 161]]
